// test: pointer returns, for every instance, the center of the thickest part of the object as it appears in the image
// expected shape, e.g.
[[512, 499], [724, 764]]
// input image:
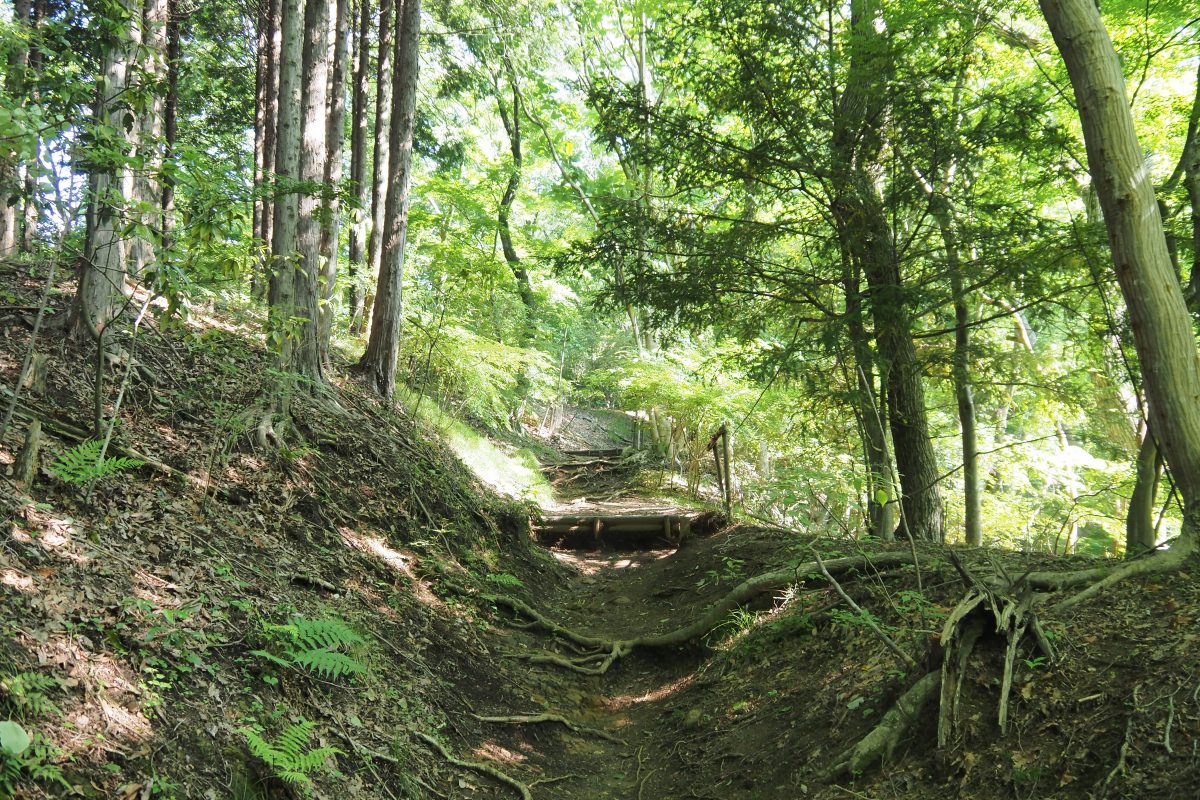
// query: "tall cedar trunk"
[[1191, 181], [31, 212], [331, 229], [147, 171], [306, 358], [868, 409], [358, 162], [1140, 536], [380, 163], [859, 211], [1158, 316], [262, 56], [383, 346], [103, 275], [170, 126], [10, 183], [265, 233], [961, 371], [281, 295]]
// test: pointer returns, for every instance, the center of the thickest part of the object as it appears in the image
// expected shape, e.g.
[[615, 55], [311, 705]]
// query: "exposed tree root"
[[531, 719], [1181, 551], [475, 766], [883, 738], [607, 652]]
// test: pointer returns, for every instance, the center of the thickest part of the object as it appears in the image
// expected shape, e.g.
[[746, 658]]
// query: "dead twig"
[[904, 657]]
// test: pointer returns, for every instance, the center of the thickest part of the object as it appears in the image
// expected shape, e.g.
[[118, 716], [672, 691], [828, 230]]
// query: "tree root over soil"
[[475, 766], [533, 719], [606, 652]]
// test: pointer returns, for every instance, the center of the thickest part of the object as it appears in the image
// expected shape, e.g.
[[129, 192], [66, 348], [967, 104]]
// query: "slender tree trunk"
[[868, 409], [284, 259], [261, 91], [31, 211], [170, 127], [1140, 536], [103, 277], [1191, 181], [961, 371], [358, 163], [512, 127], [383, 345], [265, 233], [306, 358], [147, 166], [331, 227], [10, 180], [862, 221], [381, 161], [1162, 327]]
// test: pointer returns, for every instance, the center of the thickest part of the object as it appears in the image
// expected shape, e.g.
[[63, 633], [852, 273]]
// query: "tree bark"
[[31, 210], [1140, 536], [283, 262], [868, 409], [358, 163], [1158, 315], [103, 275], [379, 360], [866, 239], [961, 371], [145, 243], [381, 158], [306, 357], [331, 219], [171, 126]]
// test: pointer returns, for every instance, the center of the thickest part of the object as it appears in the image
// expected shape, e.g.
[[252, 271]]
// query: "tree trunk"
[[380, 164], [1162, 328], [331, 228], [267, 189], [961, 370], [170, 126], [881, 516], [1191, 181], [512, 127], [306, 358], [379, 361], [103, 277], [281, 294], [147, 166], [31, 211], [358, 163], [10, 181], [1140, 536], [866, 238]]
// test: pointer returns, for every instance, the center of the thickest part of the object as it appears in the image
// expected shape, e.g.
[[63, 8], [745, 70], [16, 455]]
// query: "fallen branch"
[[533, 719], [475, 766]]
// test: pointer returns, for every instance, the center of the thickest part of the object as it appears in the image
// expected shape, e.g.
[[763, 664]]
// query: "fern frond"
[[328, 633], [82, 463], [329, 663]]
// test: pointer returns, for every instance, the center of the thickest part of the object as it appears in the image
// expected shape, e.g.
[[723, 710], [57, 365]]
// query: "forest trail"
[[633, 734]]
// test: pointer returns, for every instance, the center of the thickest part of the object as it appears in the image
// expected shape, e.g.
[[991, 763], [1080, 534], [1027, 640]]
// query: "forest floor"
[[151, 618]]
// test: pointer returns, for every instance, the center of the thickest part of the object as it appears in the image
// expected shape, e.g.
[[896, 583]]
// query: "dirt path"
[[614, 587]]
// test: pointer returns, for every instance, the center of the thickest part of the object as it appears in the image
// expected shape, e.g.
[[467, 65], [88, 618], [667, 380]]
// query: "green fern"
[[82, 463], [288, 754], [314, 645], [25, 693]]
